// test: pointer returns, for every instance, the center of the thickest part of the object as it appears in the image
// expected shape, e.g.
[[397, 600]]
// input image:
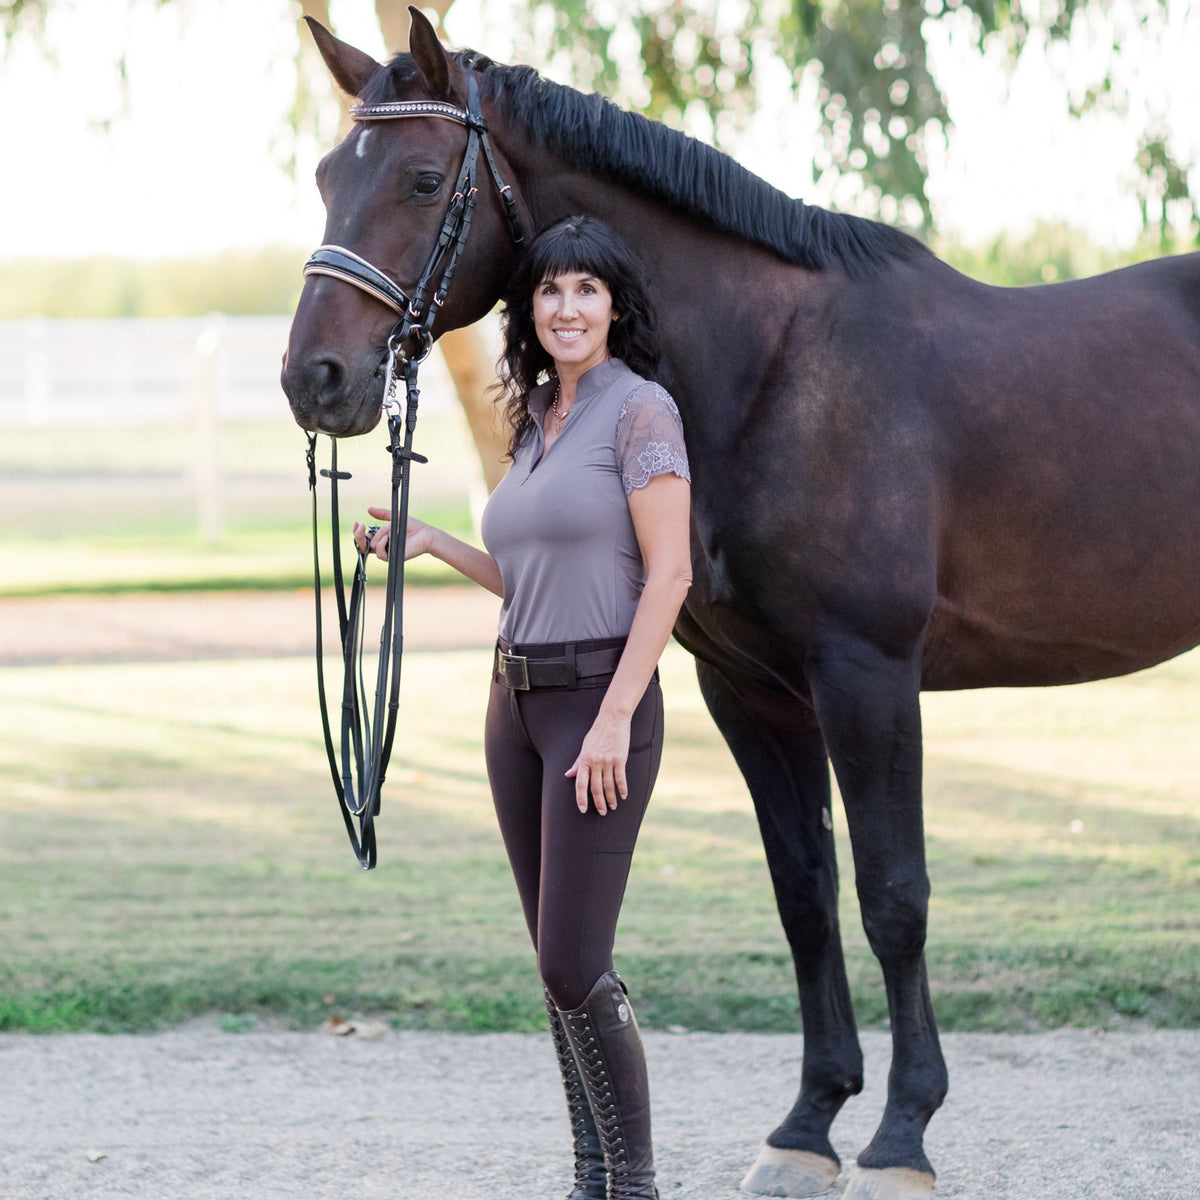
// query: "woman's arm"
[[661, 519], [477, 565]]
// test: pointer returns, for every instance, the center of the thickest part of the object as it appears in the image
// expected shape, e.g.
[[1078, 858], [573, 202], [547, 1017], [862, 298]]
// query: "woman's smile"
[[572, 313]]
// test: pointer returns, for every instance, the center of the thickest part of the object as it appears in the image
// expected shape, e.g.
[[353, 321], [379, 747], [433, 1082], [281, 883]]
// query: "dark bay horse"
[[903, 479]]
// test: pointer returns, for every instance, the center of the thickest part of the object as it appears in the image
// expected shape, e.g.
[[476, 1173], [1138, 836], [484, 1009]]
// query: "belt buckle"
[[514, 668]]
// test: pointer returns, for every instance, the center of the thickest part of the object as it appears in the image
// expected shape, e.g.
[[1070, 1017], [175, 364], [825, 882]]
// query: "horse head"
[[391, 193]]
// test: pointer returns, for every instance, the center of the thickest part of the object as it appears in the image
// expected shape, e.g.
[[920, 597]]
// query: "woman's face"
[[572, 314]]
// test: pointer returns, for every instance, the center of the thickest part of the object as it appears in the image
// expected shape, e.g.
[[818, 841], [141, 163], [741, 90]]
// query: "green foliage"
[[880, 104], [241, 283], [878, 100], [1049, 253], [1164, 186], [26, 17]]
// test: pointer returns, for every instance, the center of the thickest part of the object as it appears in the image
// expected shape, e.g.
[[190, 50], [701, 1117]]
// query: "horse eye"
[[428, 185]]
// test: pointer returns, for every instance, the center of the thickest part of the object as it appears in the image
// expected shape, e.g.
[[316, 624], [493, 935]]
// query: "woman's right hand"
[[419, 539], [477, 565]]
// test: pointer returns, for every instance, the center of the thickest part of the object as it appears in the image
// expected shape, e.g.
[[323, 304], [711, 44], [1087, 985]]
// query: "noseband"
[[366, 742]]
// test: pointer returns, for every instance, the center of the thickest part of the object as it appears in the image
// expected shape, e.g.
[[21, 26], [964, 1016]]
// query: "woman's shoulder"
[[636, 391], [649, 434], [647, 401]]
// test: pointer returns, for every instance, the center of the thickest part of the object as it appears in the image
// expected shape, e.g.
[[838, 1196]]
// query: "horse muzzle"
[[328, 396]]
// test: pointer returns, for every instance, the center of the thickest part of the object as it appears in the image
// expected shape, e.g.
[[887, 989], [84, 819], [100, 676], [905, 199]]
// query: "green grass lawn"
[[170, 845]]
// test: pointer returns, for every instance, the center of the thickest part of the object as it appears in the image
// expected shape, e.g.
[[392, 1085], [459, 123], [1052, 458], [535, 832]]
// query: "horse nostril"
[[324, 393], [324, 380]]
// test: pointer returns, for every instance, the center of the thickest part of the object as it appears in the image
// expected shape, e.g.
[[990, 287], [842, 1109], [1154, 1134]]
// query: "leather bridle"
[[366, 742]]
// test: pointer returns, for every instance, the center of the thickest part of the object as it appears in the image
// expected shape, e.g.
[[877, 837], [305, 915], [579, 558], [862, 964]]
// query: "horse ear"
[[350, 67], [428, 54]]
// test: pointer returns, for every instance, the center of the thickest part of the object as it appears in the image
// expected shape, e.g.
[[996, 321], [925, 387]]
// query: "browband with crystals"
[[416, 108]]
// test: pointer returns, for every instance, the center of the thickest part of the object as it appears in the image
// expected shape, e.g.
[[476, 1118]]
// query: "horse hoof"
[[790, 1173], [889, 1183]]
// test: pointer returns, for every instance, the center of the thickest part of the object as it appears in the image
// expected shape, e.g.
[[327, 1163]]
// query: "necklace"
[[560, 417]]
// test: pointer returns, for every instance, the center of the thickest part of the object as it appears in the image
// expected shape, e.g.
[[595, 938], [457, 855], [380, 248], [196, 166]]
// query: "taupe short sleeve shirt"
[[558, 524]]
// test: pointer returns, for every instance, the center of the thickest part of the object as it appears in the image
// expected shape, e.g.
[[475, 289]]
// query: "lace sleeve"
[[650, 438]]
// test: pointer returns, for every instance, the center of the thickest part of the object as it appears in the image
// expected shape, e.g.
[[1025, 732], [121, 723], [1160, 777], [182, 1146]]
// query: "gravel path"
[[200, 1114]]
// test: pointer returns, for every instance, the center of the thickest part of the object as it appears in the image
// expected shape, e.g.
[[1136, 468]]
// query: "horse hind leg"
[[779, 749]]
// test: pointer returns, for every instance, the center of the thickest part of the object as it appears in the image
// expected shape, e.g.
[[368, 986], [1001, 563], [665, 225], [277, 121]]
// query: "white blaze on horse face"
[[360, 147]]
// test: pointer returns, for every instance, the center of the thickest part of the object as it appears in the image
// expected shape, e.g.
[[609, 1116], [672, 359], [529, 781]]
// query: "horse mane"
[[591, 133]]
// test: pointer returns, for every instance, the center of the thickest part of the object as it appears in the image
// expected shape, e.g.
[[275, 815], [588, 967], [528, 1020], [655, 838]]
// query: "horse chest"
[[725, 617]]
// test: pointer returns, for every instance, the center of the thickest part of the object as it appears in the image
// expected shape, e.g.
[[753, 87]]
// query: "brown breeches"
[[570, 867]]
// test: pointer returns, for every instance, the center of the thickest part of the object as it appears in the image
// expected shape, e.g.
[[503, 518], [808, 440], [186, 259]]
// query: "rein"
[[359, 763]]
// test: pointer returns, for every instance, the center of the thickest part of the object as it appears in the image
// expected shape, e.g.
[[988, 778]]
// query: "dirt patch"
[[185, 626]]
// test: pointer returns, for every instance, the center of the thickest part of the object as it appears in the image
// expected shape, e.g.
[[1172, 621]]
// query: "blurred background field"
[[169, 843], [170, 847], [160, 453]]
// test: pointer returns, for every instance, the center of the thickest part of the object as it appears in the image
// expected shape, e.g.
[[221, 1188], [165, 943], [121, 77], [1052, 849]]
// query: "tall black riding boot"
[[604, 1035], [591, 1176]]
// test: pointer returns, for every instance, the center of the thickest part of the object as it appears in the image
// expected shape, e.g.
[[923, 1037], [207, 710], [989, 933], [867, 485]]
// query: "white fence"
[[147, 372], [194, 374]]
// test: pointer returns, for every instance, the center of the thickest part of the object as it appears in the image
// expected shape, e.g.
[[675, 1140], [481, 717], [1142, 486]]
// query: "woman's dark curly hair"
[[574, 244]]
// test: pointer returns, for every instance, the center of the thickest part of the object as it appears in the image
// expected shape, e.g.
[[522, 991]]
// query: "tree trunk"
[[394, 22], [467, 357], [319, 11]]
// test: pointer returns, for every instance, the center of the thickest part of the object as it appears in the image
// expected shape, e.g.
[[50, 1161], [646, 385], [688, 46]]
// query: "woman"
[[587, 543]]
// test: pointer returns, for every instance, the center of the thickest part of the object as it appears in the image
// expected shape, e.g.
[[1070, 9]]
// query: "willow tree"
[[879, 103], [865, 63]]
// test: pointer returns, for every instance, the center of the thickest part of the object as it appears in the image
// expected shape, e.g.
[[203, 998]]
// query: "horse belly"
[[1069, 496], [1059, 593], [962, 654], [1061, 589]]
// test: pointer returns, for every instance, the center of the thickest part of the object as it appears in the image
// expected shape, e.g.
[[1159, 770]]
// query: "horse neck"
[[723, 304]]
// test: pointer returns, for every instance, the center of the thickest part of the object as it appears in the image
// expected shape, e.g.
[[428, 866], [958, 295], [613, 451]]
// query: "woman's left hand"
[[599, 771]]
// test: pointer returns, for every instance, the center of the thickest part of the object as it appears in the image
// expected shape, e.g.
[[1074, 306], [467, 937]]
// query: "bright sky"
[[191, 168]]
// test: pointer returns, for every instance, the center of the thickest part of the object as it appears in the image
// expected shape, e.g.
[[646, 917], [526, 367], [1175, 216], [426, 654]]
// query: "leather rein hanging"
[[359, 764]]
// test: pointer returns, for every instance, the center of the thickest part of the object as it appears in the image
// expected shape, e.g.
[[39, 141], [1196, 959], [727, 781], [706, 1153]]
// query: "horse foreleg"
[[776, 742], [868, 705]]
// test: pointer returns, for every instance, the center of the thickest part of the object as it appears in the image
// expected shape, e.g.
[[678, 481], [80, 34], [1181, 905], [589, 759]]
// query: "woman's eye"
[[428, 185]]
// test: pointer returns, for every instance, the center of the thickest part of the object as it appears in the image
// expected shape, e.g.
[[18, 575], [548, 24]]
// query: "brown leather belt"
[[522, 668]]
